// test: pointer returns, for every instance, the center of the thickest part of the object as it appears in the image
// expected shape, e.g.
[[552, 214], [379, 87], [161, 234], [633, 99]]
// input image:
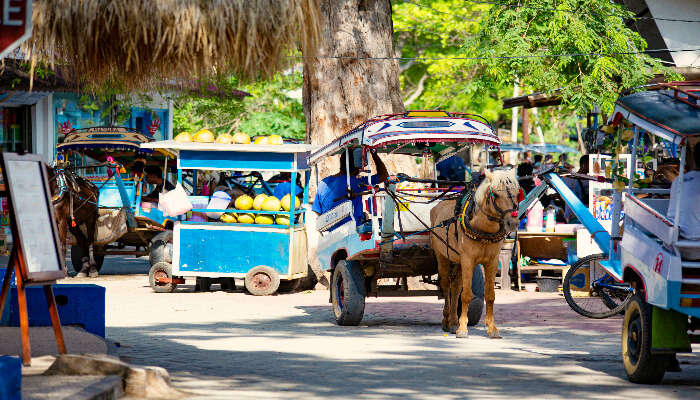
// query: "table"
[[540, 245]]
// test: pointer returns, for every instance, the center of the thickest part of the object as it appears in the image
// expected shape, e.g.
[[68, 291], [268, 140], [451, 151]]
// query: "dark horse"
[[75, 205]]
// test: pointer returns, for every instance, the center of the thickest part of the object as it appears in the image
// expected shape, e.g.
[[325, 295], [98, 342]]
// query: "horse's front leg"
[[467, 266], [490, 296], [444, 274]]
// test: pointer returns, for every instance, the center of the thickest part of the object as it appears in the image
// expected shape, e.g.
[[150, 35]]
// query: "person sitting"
[[331, 190], [578, 186], [538, 162], [284, 187], [689, 223], [137, 168], [452, 169], [154, 176], [525, 169]]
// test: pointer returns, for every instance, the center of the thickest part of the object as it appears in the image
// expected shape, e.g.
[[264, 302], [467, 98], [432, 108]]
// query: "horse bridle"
[[468, 212], [502, 213]]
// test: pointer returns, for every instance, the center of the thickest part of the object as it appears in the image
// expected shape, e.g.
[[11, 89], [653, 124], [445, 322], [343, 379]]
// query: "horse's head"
[[499, 194]]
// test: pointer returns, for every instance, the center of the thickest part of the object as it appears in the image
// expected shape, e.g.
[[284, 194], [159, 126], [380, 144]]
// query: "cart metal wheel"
[[348, 293], [76, 258], [262, 281], [640, 364], [159, 272]]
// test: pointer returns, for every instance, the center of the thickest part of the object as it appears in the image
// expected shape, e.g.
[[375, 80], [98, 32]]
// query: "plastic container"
[[219, 201], [550, 218], [534, 218]]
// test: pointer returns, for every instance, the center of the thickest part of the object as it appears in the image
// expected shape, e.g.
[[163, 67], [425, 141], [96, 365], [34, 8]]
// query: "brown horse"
[[475, 227], [75, 205]]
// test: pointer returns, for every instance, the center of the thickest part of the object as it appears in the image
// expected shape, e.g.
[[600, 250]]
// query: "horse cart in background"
[[98, 154], [219, 244], [393, 243]]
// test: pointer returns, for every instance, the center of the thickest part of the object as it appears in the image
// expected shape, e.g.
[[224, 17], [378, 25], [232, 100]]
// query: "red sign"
[[15, 24], [658, 263]]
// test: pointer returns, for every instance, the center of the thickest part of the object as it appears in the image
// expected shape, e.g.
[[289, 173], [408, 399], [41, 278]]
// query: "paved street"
[[233, 345]]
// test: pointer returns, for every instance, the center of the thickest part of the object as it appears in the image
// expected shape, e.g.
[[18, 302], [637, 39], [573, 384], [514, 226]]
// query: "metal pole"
[[635, 143], [677, 196]]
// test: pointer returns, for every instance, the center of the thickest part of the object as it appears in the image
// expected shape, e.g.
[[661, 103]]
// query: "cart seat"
[[649, 215]]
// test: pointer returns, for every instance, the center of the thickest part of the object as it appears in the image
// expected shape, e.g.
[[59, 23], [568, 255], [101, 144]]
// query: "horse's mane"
[[500, 180]]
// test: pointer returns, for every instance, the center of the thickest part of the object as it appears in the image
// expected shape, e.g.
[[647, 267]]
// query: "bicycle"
[[592, 292]]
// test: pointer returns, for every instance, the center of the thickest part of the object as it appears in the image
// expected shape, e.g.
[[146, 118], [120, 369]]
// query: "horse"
[[469, 231], [75, 206]]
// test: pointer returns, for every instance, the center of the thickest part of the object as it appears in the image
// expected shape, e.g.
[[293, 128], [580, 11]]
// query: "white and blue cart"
[[263, 255], [392, 244]]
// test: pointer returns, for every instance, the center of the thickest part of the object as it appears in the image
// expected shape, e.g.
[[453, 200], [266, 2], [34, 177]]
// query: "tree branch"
[[417, 92]]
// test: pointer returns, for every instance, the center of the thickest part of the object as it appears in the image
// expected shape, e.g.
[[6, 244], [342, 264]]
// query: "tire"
[[228, 284], [598, 302], [640, 364], [348, 293], [262, 281], [161, 270], [161, 248]]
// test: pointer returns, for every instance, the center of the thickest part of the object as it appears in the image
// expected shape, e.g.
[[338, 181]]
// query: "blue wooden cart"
[[216, 251]]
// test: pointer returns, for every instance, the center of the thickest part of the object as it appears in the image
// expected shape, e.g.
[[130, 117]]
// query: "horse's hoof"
[[93, 273], [495, 335], [453, 329], [462, 334], [445, 327], [81, 275]]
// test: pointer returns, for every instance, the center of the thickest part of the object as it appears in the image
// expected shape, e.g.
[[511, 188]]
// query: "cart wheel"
[[158, 272], [348, 293], [161, 248], [640, 364], [202, 284], [262, 281], [228, 284]]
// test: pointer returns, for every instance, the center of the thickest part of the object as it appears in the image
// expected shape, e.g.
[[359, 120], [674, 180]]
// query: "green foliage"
[[272, 108]]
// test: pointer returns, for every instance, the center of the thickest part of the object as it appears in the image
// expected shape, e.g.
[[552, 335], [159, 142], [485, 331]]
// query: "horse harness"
[[67, 182]]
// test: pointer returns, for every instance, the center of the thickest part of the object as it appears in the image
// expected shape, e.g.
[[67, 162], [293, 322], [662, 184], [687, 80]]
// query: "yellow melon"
[[228, 218], [261, 140], [275, 139], [282, 220], [243, 202], [258, 201], [246, 219], [271, 204], [204, 136], [183, 137], [286, 202], [224, 138], [241, 138], [264, 219]]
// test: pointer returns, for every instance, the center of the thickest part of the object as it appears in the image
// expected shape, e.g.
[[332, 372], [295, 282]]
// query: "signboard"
[[15, 24], [32, 217]]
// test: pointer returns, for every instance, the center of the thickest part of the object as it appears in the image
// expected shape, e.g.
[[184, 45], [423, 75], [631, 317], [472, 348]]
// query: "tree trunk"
[[526, 126], [341, 89]]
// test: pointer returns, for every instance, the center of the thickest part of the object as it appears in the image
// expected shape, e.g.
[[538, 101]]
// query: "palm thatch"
[[141, 42]]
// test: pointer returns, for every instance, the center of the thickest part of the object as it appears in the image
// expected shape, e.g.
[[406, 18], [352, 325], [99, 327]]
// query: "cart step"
[[688, 244], [691, 264]]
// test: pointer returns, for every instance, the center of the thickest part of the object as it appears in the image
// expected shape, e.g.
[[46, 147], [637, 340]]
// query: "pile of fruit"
[[261, 202], [207, 136]]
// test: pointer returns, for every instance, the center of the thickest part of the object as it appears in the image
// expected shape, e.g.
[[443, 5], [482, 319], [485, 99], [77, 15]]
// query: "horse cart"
[[377, 256], [219, 244], [98, 155]]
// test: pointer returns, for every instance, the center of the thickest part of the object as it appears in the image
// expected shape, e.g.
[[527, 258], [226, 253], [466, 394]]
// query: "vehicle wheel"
[[262, 281], [641, 366], [593, 301], [228, 284], [161, 248], [348, 293], [157, 272], [202, 284]]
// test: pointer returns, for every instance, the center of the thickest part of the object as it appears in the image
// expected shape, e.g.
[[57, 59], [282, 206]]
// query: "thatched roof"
[[139, 42]]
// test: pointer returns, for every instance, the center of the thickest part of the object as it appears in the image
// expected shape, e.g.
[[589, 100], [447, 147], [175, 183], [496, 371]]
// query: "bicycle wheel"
[[591, 292]]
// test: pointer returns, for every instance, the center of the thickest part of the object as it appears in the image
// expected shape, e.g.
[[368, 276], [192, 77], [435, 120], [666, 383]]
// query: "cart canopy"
[[105, 137], [670, 111], [441, 133], [177, 147]]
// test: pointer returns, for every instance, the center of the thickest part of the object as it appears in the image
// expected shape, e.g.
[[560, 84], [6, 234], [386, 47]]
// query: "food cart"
[[394, 244], [98, 154], [217, 251]]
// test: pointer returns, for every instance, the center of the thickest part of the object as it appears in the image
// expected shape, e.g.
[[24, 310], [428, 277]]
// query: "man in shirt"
[[332, 189], [284, 187], [452, 169], [579, 187], [154, 176], [689, 223]]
